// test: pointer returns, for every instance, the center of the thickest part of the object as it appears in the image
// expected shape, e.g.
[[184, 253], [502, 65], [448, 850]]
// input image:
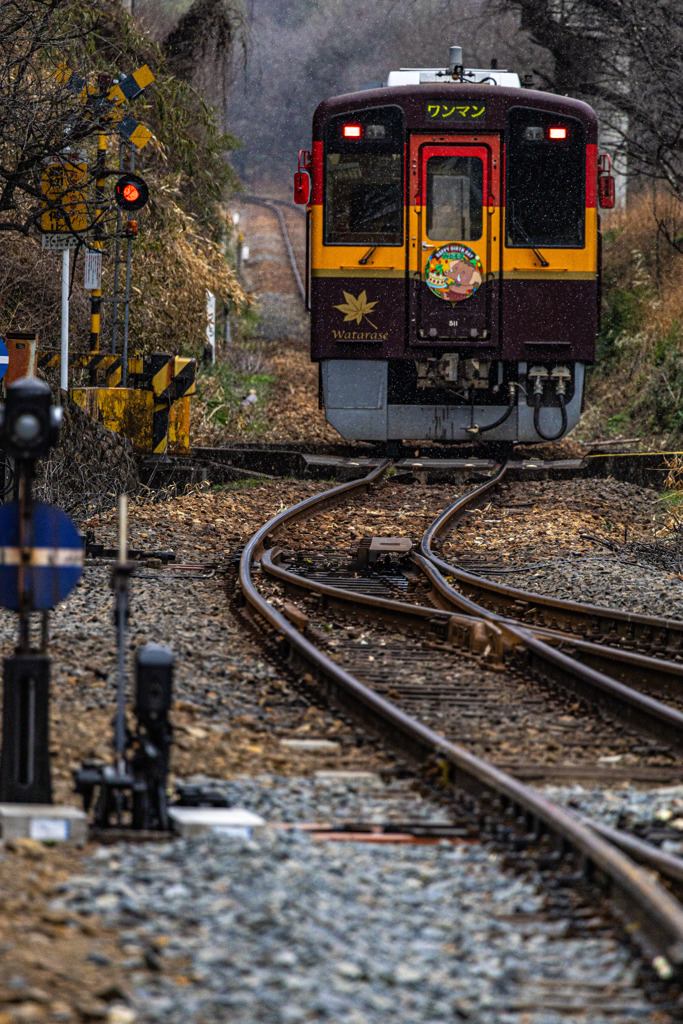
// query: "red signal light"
[[557, 133], [131, 192], [352, 131]]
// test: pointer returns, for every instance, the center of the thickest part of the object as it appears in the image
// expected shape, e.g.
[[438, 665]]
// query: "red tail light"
[[352, 131], [557, 133]]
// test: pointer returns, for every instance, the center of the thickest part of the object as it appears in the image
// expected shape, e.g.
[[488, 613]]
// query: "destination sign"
[[456, 112]]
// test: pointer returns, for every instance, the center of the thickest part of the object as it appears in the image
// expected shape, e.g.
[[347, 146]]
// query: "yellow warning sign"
[[64, 205]]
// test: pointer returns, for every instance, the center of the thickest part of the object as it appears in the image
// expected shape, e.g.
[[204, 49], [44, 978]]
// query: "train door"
[[453, 297]]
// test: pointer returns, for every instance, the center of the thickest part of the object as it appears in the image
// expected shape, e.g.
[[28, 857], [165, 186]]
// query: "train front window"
[[364, 199], [455, 198], [364, 177], [545, 180]]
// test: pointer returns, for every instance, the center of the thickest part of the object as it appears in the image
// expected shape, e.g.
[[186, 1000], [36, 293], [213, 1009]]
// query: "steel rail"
[[655, 918], [613, 625], [476, 633], [635, 709], [646, 674], [270, 205]]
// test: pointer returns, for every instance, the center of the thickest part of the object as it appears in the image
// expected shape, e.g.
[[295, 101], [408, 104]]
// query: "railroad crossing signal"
[[128, 87], [131, 192]]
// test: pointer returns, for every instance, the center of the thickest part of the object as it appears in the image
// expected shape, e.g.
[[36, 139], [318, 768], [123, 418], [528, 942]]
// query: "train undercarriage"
[[447, 398]]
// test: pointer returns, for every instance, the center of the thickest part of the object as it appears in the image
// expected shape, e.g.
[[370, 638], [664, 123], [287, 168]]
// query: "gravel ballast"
[[599, 542], [282, 929]]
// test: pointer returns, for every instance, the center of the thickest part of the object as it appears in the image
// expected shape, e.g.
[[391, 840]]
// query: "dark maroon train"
[[454, 256]]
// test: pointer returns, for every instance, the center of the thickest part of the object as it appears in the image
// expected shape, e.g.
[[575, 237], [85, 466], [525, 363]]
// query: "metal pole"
[[24, 473], [228, 331], [124, 367], [117, 259], [121, 610], [64, 365], [211, 323], [129, 251], [96, 294]]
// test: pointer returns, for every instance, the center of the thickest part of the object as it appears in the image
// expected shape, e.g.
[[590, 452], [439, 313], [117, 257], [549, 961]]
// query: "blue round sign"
[[4, 358], [54, 561]]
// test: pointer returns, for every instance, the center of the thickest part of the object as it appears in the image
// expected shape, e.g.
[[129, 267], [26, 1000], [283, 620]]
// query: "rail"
[[655, 918], [592, 622], [274, 206]]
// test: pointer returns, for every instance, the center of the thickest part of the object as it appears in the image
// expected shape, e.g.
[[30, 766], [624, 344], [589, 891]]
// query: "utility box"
[[21, 348]]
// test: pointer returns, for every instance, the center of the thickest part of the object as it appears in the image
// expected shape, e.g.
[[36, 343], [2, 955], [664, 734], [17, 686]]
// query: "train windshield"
[[364, 178], [455, 197], [545, 180], [364, 199]]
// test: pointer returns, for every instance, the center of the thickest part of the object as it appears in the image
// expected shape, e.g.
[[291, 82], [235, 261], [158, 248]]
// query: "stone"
[[28, 1011], [121, 1014], [92, 1009], [61, 1012]]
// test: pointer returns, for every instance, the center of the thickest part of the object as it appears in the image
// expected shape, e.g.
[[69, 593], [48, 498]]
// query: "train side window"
[[455, 198], [545, 161], [363, 188]]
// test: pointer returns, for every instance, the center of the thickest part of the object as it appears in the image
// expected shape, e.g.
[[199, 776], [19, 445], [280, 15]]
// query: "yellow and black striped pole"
[[96, 294]]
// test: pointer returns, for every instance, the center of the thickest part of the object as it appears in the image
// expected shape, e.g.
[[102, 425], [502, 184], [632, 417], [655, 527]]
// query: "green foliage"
[[615, 424], [222, 388], [238, 485], [623, 313]]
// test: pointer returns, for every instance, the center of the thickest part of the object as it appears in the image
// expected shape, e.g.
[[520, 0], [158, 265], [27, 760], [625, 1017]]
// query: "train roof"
[[413, 100]]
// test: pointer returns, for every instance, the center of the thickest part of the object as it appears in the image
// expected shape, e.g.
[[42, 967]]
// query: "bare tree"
[[201, 49], [626, 56], [42, 115]]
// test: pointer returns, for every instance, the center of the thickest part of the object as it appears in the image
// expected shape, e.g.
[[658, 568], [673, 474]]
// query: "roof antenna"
[[455, 67]]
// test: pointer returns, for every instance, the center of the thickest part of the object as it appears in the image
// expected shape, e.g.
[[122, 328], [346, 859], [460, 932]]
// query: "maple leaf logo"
[[357, 308]]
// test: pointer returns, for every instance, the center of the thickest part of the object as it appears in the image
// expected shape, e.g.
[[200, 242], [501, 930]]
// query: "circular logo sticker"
[[454, 272]]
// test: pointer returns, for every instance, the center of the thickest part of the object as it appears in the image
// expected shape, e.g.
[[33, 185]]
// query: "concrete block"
[[366, 779], [313, 746], [232, 821], [46, 822]]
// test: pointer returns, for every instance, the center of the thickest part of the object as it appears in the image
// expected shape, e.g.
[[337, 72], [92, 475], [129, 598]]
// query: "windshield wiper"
[[364, 259], [539, 255]]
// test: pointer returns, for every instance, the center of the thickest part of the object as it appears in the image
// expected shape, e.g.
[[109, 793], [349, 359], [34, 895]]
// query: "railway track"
[[274, 205], [607, 626], [357, 657]]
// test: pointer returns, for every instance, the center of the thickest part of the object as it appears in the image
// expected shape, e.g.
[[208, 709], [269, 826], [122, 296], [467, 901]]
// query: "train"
[[453, 256]]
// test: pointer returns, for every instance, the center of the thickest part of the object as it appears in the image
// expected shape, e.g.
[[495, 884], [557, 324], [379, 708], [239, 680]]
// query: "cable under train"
[[453, 256]]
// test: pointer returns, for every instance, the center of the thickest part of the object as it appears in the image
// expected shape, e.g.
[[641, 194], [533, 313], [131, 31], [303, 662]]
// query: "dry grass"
[[638, 256], [637, 386]]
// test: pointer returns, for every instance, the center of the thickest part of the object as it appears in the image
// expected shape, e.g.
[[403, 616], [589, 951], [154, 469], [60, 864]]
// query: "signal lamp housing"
[[131, 192]]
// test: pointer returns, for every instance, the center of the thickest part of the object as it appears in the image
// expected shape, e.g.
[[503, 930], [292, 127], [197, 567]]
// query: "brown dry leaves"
[[396, 510], [542, 519], [202, 525]]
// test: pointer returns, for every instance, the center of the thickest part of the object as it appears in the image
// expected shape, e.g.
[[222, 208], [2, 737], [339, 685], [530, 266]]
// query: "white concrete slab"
[[43, 822], [313, 746], [369, 779], [233, 821]]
